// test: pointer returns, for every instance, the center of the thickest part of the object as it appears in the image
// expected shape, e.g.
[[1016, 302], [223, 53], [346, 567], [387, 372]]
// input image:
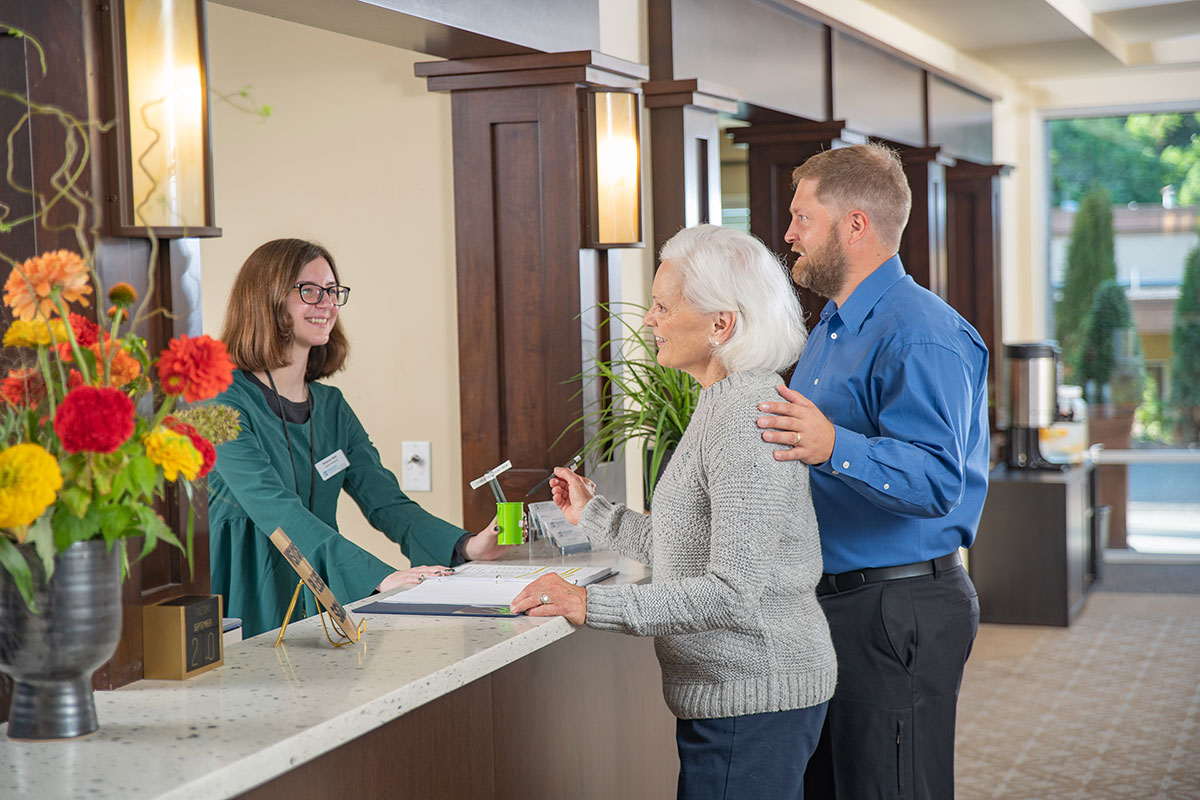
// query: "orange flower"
[[124, 368], [198, 368], [30, 284]]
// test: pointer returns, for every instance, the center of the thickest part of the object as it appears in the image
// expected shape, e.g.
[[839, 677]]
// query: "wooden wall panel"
[[517, 236]]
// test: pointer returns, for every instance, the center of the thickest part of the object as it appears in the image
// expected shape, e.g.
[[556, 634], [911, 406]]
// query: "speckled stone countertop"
[[269, 709]]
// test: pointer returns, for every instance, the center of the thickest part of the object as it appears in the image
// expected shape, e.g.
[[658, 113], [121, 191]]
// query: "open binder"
[[478, 589]]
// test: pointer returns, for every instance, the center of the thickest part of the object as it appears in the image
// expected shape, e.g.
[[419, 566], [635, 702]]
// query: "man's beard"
[[823, 269]]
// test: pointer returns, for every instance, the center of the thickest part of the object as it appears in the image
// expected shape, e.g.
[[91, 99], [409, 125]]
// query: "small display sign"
[[182, 636]]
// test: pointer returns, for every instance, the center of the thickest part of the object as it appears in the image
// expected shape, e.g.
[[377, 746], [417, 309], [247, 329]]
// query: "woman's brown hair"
[[258, 330]]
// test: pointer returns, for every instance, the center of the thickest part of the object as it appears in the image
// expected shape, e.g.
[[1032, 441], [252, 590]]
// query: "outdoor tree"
[[1133, 157], [1109, 359], [1185, 359], [1089, 263]]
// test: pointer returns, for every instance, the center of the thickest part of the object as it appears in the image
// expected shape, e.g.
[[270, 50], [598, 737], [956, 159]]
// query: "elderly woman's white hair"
[[727, 270]]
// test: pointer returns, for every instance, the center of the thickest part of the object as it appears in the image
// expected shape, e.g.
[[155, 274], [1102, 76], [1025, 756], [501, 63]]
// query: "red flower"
[[203, 446], [87, 333], [23, 387], [74, 378], [94, 420], [198, 368]]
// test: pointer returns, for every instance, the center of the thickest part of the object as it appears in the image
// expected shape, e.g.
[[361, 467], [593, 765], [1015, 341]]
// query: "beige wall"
[[357, 155]]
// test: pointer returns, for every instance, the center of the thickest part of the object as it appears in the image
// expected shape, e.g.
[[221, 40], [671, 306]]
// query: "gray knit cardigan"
[[735, 556]]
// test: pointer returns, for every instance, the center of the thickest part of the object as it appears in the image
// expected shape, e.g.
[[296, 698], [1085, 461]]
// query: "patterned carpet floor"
[[1108, 708]]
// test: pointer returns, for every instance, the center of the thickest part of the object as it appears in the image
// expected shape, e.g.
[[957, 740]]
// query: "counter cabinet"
[[445, 707]]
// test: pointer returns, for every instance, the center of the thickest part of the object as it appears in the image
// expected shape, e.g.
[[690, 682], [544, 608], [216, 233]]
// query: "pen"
[[574, 463]]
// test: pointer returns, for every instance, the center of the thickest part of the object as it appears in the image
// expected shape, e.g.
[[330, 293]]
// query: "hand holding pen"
[[571, 493], [578, 457]]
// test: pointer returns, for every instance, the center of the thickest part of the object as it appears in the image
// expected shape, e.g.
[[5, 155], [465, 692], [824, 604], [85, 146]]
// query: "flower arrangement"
[[77, 459]]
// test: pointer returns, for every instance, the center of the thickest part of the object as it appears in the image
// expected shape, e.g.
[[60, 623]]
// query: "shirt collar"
[[866, 295]]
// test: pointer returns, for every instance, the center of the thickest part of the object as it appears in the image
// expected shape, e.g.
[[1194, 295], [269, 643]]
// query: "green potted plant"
[[648, 402]]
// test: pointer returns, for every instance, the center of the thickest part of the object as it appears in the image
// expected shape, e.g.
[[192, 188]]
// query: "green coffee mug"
[[508, 517]]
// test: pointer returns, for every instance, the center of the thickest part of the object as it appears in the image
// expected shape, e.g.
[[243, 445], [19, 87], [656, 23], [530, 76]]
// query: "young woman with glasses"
[[299, 446]]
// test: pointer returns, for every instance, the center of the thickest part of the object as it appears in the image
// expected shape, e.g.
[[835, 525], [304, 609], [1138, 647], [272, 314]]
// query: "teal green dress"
[[253, 490]]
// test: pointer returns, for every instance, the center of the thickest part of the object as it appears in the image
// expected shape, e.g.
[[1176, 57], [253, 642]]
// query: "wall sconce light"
[[613, 204], [160, 160]]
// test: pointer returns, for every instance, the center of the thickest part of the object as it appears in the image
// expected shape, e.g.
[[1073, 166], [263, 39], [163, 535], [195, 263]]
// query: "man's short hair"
[[866, 177]]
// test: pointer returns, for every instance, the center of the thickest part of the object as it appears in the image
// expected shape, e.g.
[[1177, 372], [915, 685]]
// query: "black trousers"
[[901, 649], [751, 757]]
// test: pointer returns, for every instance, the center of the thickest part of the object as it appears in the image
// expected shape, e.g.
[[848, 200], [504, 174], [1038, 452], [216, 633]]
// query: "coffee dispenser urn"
[[1033, 386]]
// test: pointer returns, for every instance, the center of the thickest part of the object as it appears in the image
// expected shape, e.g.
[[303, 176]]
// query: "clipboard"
[[478, 589]]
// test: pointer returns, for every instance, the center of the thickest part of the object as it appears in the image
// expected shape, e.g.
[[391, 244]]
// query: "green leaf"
[[41, 536], [69, 529], [120, 485], [103, 482], [141, 472], [114, 522], [76, 499], [15, 564]]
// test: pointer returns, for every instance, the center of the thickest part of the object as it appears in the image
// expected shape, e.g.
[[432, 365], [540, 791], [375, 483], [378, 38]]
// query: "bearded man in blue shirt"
[[888, 407]]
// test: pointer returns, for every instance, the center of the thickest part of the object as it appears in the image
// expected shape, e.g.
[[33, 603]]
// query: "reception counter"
[[438, 707]]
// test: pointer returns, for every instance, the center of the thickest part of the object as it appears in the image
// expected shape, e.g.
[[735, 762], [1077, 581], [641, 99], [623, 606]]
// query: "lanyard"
[[312, 454]]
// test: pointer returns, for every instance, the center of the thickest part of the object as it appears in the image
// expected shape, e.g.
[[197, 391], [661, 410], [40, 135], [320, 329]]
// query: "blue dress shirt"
[[903, 378]]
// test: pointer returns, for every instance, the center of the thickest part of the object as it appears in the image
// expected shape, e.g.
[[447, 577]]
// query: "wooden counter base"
[[583, 717]]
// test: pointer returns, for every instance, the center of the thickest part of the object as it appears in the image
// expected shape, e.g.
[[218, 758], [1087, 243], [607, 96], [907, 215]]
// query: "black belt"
[[845, 581]]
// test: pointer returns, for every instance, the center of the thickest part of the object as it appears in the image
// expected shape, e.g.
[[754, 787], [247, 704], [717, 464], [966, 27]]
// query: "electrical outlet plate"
[[417, 472]]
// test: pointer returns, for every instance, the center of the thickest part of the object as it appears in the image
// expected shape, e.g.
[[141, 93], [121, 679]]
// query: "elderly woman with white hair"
[[747, 661]]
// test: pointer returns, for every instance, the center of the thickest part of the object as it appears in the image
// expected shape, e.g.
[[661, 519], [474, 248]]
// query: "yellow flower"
[[34, 333], [29, 481], [173, 452]]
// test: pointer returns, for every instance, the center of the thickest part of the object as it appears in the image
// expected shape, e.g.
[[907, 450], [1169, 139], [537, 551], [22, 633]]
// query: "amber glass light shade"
[[614, 167], [161, 160]]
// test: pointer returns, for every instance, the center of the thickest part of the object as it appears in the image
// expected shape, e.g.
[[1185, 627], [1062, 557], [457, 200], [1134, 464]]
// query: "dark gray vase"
[[51, 655]]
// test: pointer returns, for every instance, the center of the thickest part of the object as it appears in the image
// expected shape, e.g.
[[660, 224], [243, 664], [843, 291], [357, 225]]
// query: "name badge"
[[332, 464]]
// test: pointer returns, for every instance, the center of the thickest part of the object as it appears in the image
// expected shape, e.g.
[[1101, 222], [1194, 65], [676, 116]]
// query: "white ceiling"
[[1031, 39]]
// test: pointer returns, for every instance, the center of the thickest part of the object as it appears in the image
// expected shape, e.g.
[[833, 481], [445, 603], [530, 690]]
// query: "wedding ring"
[[797, 434], [545, 598]]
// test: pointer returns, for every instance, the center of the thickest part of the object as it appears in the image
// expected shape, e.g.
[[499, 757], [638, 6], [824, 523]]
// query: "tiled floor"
[[1108, 708]]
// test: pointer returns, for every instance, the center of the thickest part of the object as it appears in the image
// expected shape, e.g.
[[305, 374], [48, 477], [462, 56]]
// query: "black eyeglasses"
[[311, 293]]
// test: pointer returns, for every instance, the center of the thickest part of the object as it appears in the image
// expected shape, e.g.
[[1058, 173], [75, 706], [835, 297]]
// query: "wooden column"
[[685, 153], [923, 245], [973, 250], [518, 233], [775, 149]]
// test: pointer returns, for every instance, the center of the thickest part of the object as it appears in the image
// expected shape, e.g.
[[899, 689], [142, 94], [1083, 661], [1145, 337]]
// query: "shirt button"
[[835, 472], [816, 381], [887, 486], [833, 336], [845, 465]]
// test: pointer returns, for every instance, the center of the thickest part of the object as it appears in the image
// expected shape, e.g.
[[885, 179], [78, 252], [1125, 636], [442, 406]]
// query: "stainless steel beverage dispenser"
[[1033, 401]]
